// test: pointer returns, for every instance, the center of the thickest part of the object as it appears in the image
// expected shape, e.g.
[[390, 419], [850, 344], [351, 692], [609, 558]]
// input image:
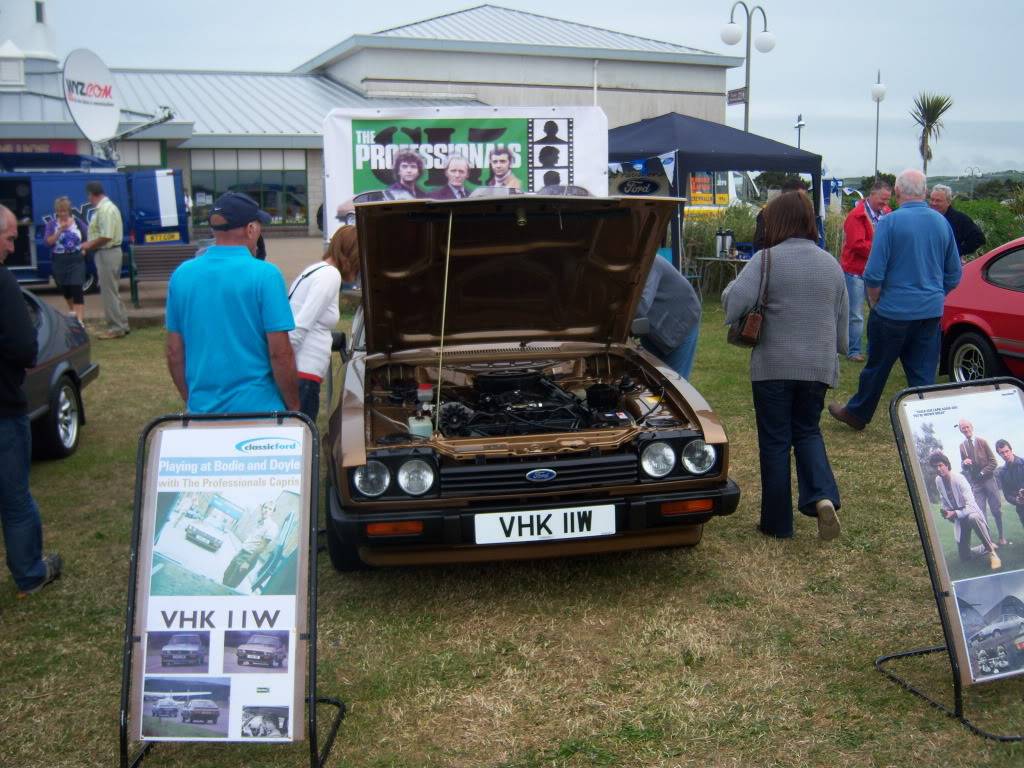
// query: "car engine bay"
[[518, 398]]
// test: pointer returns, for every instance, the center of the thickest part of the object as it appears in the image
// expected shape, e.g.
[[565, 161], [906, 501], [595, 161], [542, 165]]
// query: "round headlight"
[[416, 477], [698, 457], [372, 479], [658, 459]]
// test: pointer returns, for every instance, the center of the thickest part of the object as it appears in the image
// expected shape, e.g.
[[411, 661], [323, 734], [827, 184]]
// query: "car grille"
[[510, 477]]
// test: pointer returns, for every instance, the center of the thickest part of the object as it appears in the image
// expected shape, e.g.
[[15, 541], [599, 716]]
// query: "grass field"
[[739, 652]]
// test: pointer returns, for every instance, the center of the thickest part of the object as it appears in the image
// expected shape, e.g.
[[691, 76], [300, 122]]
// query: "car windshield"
[[185, 639], [203, 703], [263, 640]]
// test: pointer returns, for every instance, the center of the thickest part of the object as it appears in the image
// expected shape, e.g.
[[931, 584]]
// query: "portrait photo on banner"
[[962, 445]]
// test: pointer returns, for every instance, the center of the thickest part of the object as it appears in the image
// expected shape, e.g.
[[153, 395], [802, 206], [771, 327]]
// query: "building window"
[[40, 14], [274, 178], [139, 155]]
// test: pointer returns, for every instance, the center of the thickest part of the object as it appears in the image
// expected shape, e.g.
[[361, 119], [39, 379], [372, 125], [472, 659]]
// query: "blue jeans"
[[855, 290], [787, 415], [915, 343], [309, 398], [679, 359], [23, 530]]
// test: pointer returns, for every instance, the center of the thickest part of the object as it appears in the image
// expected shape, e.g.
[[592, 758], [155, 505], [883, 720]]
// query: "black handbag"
[[746, 331]]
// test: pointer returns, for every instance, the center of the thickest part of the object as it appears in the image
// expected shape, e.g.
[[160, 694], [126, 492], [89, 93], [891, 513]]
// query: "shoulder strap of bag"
[[303, 277], [766, 263]]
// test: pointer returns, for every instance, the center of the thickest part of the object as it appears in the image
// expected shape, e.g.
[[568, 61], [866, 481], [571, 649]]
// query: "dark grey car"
[[54, 386]]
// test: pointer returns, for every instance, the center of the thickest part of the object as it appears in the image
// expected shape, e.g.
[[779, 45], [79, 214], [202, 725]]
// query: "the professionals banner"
[[222, 582], [446, 153]]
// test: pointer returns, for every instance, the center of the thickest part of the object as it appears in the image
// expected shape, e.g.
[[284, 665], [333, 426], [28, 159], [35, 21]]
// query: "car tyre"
[[972, 357], [56, 434]]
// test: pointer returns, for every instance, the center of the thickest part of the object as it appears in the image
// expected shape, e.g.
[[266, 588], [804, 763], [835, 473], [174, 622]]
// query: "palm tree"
[[927, 113]]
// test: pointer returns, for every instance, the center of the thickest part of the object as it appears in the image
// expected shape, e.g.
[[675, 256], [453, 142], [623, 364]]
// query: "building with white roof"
[[259, 132]]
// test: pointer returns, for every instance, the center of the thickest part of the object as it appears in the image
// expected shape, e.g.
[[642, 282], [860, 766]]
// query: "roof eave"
[[358, 42]]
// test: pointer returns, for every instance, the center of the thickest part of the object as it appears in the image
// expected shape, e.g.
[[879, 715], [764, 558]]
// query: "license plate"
[[253, 656], [545, 524], [178, 657], [162, 237]]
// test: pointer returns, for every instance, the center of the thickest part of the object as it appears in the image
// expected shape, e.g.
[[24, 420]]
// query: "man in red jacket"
[[859, 229]]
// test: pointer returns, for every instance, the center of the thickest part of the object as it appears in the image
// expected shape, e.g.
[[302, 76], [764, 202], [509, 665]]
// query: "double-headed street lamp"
[[764, 42], [973, 172], [877, 93]]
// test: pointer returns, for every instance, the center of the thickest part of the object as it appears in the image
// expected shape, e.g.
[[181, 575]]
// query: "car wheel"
[[344, 554], [56, 434], [215, 721], [91, 284], [971, 357]]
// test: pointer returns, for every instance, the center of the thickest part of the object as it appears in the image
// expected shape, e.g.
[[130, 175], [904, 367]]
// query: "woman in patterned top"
[[64, 237]]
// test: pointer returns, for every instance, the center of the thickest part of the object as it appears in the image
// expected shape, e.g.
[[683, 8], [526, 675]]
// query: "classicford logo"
[[77, 88], [264, 444], [541, 475], [638, 187]]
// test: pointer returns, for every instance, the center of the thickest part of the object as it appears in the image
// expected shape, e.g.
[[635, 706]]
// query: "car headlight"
[[372, 479], [698, 457], [658, 459], [415, 477]]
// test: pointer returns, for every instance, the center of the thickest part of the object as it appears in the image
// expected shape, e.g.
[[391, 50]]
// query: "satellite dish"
[[90, 95]]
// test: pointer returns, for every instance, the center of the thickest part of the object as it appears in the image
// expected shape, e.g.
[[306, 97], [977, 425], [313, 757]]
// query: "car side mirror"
[[641, 326]]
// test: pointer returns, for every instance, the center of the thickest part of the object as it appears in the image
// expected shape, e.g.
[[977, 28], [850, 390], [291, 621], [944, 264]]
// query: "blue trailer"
[[152, 205]]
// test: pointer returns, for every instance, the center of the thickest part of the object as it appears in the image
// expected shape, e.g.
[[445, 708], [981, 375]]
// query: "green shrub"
[[996, 220]]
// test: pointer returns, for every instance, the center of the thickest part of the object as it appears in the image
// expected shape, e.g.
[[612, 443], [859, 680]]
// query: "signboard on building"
[[737, 96], [90, 95], [445, 153], [223, 566]]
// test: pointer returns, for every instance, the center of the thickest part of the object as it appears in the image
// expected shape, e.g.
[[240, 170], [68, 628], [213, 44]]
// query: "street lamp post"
[[800, 124], [877, 94], [974, 172], [731, 34]]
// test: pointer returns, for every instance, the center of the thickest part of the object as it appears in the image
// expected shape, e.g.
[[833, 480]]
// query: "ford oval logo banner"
[[541, 475], [638, 186]]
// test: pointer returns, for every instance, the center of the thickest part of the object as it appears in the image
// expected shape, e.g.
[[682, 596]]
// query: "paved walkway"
[[291, 254]]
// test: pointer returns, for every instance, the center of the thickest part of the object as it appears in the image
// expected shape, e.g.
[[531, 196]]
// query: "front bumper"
[[449, 533]]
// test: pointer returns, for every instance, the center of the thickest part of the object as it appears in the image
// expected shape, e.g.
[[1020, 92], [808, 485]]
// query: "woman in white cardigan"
[[314, 301]]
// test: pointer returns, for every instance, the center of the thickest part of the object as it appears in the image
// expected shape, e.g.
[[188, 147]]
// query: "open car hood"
[[521, 268]]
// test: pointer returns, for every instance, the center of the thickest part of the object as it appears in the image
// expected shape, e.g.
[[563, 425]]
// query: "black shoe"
[[54, 566], [840, 413]]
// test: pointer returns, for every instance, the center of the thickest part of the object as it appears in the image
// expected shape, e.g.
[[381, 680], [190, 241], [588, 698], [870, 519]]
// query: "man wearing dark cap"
[[228, 320]]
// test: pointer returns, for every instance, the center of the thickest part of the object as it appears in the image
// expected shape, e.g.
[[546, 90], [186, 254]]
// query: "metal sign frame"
[[937, 574], [317, 756]]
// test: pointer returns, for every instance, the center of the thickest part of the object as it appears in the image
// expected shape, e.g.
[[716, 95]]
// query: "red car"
[[983, 320]]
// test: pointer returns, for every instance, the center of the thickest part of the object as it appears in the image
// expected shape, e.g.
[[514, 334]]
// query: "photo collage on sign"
[[965, 447], [219, 650], [551, 153]]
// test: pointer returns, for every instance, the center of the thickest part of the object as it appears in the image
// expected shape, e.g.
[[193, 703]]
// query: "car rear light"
[[688, 507], [404, 528]]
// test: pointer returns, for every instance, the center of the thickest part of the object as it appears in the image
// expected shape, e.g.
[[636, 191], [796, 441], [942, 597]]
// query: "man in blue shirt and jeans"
[[913, 264], [228, 320]]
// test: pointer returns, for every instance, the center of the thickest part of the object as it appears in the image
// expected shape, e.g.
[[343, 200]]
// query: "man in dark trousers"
[[23, 529], [672, 309], [912, 266], [969, 238]]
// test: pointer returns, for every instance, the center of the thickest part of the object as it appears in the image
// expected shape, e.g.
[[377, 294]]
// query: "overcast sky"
[[825, 60]]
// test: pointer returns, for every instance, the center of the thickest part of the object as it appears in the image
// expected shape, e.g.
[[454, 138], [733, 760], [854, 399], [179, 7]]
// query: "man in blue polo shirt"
[[228, 320], [913, 264]]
